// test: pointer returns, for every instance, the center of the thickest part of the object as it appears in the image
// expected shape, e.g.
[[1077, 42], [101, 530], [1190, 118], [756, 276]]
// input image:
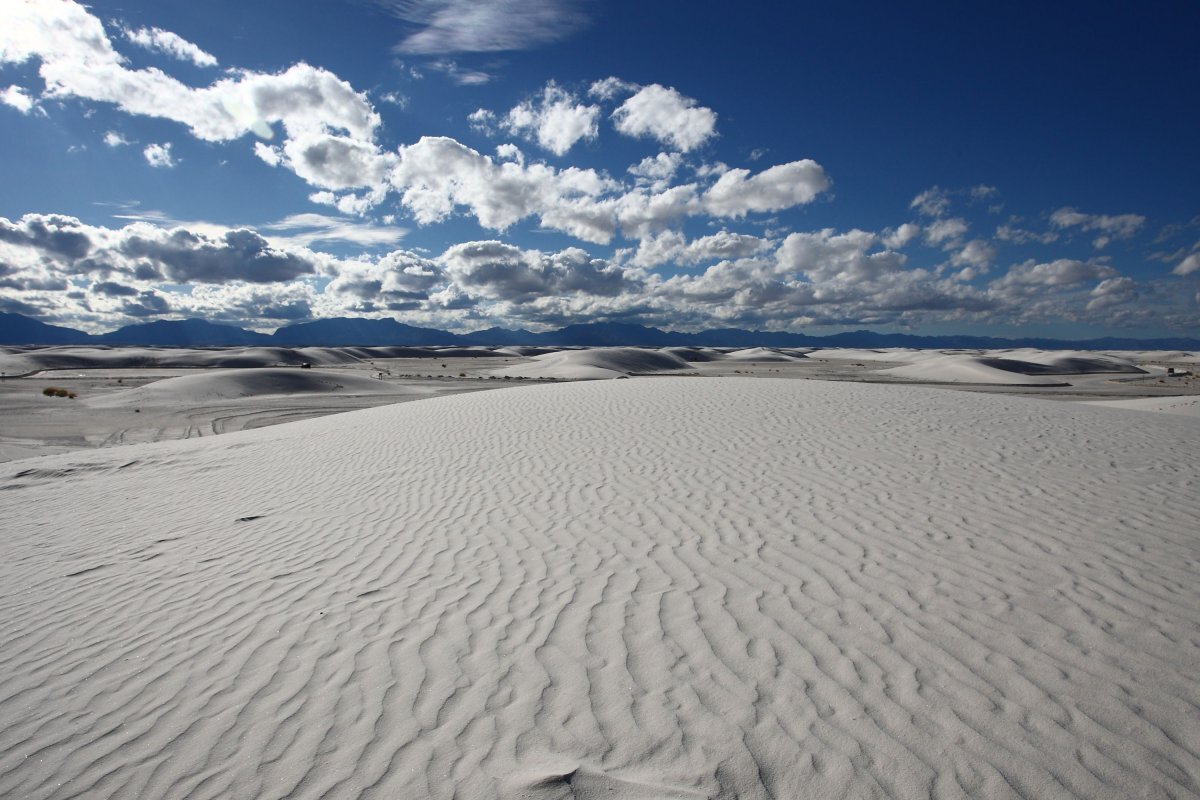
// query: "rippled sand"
[[654, 588]]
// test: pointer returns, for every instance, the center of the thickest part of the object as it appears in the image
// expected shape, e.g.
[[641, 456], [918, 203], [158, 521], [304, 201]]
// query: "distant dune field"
[[663, 587]]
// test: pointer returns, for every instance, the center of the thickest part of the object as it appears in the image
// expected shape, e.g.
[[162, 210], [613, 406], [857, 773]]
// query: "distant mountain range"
[[16, 329]]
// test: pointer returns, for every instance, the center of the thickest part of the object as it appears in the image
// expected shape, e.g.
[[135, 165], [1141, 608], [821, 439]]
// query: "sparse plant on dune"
[[55, 391]]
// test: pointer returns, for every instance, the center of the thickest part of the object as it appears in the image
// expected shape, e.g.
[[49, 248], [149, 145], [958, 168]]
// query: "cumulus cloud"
[[500, 271], [400, 280], [479, 26], [1112, 291], [737, 193], [611, 87], [657, 171], [185, 256], [976, 253], [1030, 278], [171, 44], [1110, 227], [146, 252], [666, 115], [78, 60], [673, 247], [555, 120], [945, 232], [159, 155], [114, 139], [826, 255], [901, 235], [15, 97], [332, 161], [437, 174]]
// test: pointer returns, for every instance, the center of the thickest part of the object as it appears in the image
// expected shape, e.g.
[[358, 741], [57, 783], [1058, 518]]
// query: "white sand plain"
[[666, 587]]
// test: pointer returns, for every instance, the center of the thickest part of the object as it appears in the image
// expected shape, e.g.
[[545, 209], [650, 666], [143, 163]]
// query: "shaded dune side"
[[597, 363], [632, 589]]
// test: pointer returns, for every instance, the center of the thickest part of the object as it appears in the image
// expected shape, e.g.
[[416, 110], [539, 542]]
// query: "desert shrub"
[[54, 391]]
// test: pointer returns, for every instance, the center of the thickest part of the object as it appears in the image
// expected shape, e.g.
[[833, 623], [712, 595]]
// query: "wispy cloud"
[[170, 43], [486, 26], [304, 230]]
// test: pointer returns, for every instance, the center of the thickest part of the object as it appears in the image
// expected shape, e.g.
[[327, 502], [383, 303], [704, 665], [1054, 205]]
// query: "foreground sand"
[[653, 588]]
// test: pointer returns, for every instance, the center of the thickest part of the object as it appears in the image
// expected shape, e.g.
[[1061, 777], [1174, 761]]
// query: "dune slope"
[[238, 383], [654, 588]]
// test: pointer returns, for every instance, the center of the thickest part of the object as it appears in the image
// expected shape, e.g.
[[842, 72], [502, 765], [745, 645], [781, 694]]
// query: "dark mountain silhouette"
[[345, 331], [16, 329], [182, 333], [19, 329]]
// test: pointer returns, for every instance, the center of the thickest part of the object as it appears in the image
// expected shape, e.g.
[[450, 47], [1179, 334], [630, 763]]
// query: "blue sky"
[[929, 168]]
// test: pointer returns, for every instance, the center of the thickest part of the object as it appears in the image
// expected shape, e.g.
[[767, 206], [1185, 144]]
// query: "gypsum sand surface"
[[651, 588]]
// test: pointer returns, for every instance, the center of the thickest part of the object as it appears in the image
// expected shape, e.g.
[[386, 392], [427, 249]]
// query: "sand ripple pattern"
[[656, 588]]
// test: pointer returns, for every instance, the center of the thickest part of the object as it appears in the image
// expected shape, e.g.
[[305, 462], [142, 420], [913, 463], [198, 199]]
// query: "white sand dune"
[[766, 354], [92, 357], [205, 387], [598, 363], [695, 355], [1188, 406], [855, 354], [1066, 362], [527, 351], [666, 588], [960, 368]]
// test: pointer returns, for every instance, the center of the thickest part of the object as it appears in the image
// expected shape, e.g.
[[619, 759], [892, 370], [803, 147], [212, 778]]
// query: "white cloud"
[[1110, 227], [304, 230], [159, 155], [271, 155], [945, 232], [483, 121], [499, 271], [1112, 291], [666, 115], [77, 59], [736, 193], [114, 139], [933, 202], [723, 245], [829, 256], [172, 44], [1011, 233], [437, 174], [15, 97], [335, 162], [976, 253], [610, 88], [901, 236], [1188, 265], [1032, 279], [463, 76], [481, 26], [673, 247], [555, 120], [657, 171]]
